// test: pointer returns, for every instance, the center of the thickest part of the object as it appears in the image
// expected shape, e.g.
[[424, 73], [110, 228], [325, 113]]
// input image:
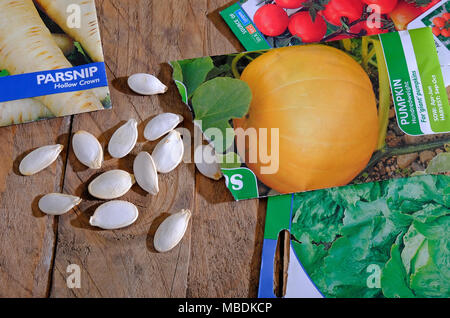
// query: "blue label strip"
[[44, 83], [243, 17], [265, 289]]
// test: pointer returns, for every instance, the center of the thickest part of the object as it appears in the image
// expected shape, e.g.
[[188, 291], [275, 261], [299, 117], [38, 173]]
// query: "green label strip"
[[278, 217], [242, 183], [417, 83], [244, 29], [432, 80]]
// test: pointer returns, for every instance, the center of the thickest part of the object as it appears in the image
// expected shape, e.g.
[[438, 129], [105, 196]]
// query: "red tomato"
[[385, 6], [403, 14], [290, 4], [271, 20], [436, 31], [445, 32], [439, 22], [301, 25], [446, 16], [337, 9]]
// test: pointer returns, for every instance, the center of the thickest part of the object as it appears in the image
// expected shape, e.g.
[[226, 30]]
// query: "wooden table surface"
[[220, 254]]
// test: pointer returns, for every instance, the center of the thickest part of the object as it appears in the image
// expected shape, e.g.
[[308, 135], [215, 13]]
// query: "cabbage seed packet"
[[382, 239]]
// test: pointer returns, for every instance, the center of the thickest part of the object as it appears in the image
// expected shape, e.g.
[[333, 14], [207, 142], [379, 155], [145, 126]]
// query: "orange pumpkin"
[[323, 103]]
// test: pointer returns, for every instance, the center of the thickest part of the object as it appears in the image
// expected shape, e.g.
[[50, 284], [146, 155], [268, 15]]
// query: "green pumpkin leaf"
[[177, 73], [222, 71], [193, 72], [218, 101], [230, 160]]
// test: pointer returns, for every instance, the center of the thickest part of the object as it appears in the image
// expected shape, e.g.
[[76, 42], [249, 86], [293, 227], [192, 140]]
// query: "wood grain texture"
[[218, 257], [226, 246], [27, 236]]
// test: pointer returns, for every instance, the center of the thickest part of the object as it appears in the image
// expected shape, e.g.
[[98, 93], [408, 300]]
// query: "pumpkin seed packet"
[[319, 116], [382, 239]]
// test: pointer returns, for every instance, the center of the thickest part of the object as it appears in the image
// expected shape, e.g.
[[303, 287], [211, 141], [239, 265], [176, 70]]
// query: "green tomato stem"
[[398, 151]]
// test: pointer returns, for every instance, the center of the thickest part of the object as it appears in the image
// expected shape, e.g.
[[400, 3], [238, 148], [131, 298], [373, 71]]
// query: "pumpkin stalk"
[[365, 52], [234, 64], [347, 43], [368, 58], [398, 151]]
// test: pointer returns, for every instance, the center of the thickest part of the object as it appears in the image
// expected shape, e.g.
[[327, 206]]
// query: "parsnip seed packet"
[[51, 60], [319, 116]]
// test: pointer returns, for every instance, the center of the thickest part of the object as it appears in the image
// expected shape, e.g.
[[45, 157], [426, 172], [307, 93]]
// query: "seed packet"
[[51, 60], [319, 116], [382, 239], [438, 18], [268, 24]]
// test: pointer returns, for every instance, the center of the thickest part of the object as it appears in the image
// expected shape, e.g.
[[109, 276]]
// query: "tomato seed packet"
[[51, 60], [383, 239], [317, 116], [438, 18], [268, 24]]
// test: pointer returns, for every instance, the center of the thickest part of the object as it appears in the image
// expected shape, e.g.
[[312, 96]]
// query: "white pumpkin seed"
[[168, 153], [123, 140], [145, 173], [87, 149], [114, 215], [171, 231], [161, 125], [111, 185], [207, 163], [57, 203], [146, 84], [39, 159]]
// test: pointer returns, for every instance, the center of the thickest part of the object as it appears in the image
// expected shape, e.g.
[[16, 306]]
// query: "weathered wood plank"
[[226, 235], [227, 241], [123, 263], [219, 255], [27, 236]]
